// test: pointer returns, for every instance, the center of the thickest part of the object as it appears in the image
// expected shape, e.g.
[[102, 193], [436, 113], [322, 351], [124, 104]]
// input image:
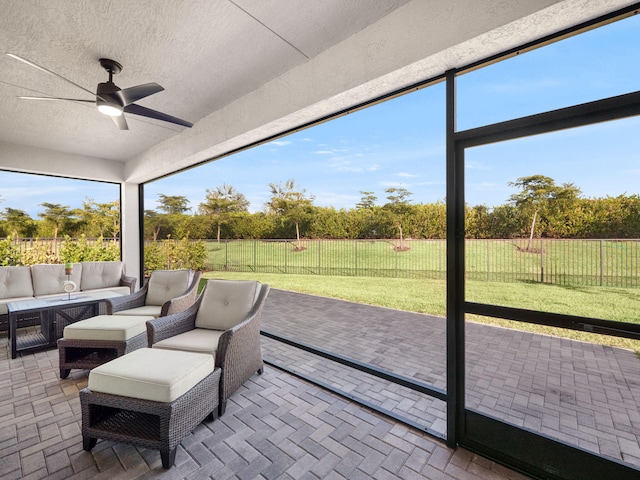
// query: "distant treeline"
[[540, 209], [610, 217]]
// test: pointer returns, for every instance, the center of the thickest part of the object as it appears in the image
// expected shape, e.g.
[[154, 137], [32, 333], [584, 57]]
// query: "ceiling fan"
[[111, 99]]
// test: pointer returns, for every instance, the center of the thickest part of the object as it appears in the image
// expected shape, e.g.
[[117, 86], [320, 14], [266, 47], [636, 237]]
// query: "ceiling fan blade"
[[120, 122], [133, 94], [34, 65], [147, 112], [58, 98]]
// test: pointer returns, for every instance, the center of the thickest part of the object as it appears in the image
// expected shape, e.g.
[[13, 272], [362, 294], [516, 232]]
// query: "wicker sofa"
[[43, 281]]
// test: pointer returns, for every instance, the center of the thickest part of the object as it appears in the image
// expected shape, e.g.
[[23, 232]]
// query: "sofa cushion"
[[107, 327], [165, 285], [101, 275], [151, 374], [49, 279], [201, 340], [15, 282], [226, 303]]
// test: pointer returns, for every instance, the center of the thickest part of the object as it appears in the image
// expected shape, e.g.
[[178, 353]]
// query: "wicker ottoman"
[[97, 340], [150, 398]]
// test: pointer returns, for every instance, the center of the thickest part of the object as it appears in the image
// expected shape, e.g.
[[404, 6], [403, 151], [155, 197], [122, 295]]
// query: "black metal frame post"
[[455, 273]]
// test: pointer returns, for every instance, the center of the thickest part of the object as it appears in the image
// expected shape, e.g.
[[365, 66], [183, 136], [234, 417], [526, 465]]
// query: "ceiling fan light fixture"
[[111, 109]]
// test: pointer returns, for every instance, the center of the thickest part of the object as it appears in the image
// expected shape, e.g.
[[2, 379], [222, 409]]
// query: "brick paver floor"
[[582, 393], [279, 426], [275, 427]]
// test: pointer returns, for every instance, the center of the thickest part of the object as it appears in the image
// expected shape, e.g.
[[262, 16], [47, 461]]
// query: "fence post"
[[355, 253], [601, 264], [541, 260], [488, 261], [226, 255]]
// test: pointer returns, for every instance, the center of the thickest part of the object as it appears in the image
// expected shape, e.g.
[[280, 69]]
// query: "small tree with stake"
[[290, 203]]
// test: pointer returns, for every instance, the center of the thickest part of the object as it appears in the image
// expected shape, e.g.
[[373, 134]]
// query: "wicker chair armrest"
[[130, 282], [239, 355], [125, 302], [237, 340], [164, 327]]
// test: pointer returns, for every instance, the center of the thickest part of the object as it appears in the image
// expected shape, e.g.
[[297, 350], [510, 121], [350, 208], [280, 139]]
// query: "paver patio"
[[582, 393], [275, 427], [278, 426]]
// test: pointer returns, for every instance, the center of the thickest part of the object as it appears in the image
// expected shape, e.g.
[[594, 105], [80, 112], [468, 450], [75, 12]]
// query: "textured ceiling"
[[204, 53], [238, 69]]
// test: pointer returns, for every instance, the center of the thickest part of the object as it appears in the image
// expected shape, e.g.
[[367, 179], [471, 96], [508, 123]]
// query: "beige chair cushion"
[[145, 311], [226, 303], [107, 327], [200, 340], [165, 285], [15, 282], [49, 279], [151, 374], [100, 275]]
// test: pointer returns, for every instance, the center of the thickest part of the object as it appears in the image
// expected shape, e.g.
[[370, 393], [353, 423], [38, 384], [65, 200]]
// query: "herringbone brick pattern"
[[581, 393], [276, 427]]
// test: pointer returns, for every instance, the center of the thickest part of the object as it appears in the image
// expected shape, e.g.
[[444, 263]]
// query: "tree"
[[368, 200], [153, 223], [538, 191], [103, 219], [18, 222], [57, 215], [290, 204], [222, 203], [398, 204], [172, 204]]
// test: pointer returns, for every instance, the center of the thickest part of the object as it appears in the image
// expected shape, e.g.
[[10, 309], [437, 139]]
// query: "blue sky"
[[400, 143]]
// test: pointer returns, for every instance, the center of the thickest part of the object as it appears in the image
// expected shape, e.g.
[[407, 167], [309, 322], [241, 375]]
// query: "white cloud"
[[393, 184], [406, 175], [280, 143]]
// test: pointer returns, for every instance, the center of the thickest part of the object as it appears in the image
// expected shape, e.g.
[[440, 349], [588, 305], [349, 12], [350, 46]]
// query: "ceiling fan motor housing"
[[108, 99]]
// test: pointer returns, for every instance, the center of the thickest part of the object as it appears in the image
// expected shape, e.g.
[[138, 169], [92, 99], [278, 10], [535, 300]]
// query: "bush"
[[83, 251], [9, 254], [40, 252], [174, 254]]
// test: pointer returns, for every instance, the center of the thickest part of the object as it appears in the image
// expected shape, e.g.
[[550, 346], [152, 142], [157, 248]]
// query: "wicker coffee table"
[[55, 314], [159, 423]]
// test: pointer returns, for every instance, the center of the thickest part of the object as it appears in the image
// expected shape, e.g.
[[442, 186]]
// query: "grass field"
[[429, 296], [562, 262]]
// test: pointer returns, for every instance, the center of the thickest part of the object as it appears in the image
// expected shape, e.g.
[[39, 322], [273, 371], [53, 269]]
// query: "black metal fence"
[[564, 262], [603, 262]]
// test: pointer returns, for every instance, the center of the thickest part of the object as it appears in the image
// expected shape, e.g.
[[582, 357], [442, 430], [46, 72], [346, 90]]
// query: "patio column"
[[130, 229]]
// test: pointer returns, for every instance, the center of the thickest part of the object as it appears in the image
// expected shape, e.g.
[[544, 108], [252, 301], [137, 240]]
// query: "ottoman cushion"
[[107, 327], [151, 374], [145, 311]]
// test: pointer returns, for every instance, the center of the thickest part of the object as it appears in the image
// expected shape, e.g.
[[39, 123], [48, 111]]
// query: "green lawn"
[[428, 296]]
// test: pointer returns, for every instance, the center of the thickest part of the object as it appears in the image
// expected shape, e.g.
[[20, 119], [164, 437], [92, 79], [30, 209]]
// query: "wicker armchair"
[[225, 322], [94, 341], [166, 292]]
